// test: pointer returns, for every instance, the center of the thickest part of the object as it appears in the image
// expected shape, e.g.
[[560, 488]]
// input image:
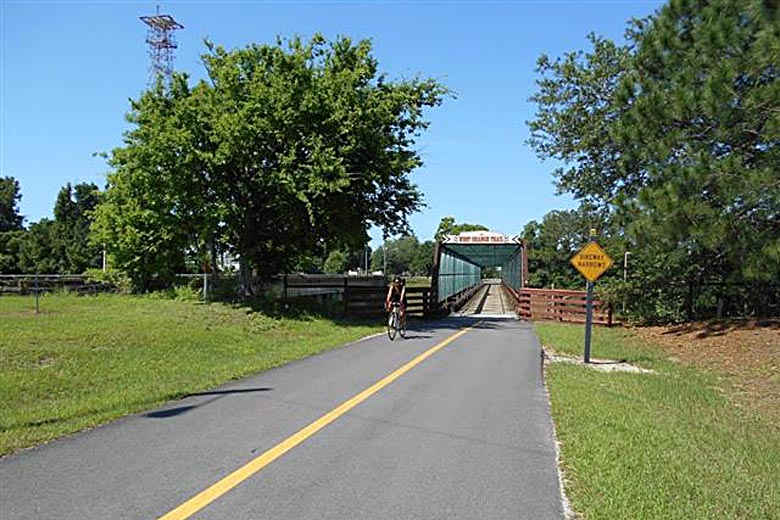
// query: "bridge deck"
[[490, 300]]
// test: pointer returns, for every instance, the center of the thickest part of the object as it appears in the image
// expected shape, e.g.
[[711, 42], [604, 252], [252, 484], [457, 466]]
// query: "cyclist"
[[396, 293]]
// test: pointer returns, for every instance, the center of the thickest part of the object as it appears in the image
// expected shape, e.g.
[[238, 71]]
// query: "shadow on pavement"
[[217, 394], [232, 391], [460, 322]]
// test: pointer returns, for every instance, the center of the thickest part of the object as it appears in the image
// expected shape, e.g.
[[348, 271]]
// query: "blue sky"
[[68, 68]]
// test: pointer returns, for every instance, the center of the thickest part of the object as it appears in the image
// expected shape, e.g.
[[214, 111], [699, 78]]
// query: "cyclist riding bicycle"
[[396, 293]]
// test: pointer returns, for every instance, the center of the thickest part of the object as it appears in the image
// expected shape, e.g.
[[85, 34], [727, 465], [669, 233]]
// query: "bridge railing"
[[558, 305]]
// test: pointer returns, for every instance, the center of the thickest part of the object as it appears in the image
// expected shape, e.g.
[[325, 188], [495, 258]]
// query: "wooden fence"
[[29, 284], [362, 297], [369, 302], [558, 305]]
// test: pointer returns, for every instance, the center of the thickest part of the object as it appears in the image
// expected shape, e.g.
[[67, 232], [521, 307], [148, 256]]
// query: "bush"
[[113, 277]]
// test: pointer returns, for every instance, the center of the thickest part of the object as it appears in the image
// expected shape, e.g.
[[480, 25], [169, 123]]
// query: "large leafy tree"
[[287, 151], [677, 133]]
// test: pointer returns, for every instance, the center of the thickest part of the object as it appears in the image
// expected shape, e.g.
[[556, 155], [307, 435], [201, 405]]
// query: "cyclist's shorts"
[[396, 299]]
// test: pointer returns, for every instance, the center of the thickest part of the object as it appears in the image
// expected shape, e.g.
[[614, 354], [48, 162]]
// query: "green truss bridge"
[[459, 263]]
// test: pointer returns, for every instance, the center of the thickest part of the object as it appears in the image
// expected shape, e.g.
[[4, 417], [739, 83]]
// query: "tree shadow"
[[231, 391], [608, 362], [166, 413], [170, 412], [714, 328]]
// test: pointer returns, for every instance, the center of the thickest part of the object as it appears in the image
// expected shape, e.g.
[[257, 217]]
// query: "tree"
[[677, 133], [10, 219], [10, 245], [309, 264], [553, 242], [405, 256], [422, 265], [336, 263], [71, 229], [155, 200], [705, 92], [11, 230], [447, 226], [63, 245], [288, 148], [37, 251], [576, 112]]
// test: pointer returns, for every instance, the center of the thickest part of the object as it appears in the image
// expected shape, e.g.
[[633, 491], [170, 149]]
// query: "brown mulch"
[[746, 352]]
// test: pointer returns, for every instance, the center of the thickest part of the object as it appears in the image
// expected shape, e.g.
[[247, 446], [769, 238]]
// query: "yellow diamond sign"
[[592, 261]]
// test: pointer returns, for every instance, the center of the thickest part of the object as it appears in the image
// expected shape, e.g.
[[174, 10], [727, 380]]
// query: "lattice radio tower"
[[161, 38]]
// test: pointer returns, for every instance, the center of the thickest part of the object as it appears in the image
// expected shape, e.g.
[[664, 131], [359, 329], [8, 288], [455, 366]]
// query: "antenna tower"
[[161, 38]]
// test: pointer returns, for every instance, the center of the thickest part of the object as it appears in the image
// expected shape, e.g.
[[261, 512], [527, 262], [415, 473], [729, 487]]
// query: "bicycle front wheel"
[[392, 321]]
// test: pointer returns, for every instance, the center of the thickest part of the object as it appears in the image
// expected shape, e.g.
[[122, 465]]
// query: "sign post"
[[588, 320], [591, 261]]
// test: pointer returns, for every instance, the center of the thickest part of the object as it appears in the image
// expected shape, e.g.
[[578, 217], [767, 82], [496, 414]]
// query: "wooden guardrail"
[[558, 305]]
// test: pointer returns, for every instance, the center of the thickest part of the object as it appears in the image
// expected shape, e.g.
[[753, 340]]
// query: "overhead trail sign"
[[592, 261]]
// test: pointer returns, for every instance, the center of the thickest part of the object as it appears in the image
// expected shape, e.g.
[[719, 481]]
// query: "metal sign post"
[[591, 261], [588, 320]]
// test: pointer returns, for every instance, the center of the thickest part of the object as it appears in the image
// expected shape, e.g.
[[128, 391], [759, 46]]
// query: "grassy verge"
[[86, 360], [664, 445]]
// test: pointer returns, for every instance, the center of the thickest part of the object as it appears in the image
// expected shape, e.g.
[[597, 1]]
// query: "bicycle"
[[395, 325]]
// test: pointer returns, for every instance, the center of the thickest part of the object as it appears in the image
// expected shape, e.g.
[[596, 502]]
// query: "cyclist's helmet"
[[398, 280]]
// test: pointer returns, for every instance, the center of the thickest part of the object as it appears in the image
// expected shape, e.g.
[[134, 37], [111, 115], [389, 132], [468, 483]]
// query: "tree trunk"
[[213, 254], [689, 307], [244, 276]]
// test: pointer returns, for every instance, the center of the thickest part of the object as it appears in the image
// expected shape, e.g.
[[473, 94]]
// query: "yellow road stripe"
[[205, 497]]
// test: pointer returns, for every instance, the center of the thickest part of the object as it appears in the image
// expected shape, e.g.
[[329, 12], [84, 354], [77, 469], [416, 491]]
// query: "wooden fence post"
[[346, 296]]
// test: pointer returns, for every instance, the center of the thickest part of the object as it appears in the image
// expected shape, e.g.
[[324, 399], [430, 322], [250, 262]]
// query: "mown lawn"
[[664, 445], [87, 360]]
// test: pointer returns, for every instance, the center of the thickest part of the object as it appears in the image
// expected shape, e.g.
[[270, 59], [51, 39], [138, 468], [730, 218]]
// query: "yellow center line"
[[208, 495]]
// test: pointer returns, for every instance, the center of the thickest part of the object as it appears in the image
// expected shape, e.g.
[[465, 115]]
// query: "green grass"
[[418, 281], [663, 445], [87, 360]]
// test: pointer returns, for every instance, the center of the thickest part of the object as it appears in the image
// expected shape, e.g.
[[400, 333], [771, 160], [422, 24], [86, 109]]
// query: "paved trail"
[[463, 434]]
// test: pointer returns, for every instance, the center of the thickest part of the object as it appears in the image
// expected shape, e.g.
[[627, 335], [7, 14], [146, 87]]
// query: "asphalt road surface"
[[461, 432]]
